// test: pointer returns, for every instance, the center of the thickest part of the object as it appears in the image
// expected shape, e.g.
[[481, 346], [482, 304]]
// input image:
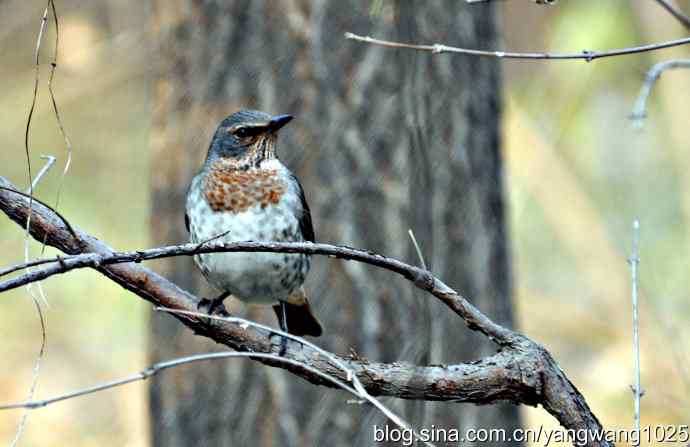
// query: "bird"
[[243, 192]]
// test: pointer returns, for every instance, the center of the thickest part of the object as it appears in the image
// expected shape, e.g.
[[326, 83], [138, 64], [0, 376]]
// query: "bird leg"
[[213, 306], [282, 322]]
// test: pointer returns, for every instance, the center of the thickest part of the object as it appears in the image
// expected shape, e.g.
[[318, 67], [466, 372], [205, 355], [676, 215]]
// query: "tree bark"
[[384, 141]]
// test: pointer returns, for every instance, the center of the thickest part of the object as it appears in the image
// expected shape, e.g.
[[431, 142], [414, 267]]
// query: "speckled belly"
[[252, 277]]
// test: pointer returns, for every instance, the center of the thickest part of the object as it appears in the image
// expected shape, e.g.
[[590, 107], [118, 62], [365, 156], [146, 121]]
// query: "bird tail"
[[299, 316]]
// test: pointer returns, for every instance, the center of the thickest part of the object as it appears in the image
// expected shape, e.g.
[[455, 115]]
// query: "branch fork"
[[521, 372]]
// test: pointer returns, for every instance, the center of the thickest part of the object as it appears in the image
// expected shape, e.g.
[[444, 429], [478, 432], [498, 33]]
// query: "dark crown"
[[244, 132]]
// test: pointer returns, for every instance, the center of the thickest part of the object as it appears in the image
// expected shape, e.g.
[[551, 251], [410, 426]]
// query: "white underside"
[[252, 277]]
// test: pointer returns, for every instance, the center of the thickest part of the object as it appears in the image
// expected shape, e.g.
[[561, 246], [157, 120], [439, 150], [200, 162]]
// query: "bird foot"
[[212, 307], [281, 342]]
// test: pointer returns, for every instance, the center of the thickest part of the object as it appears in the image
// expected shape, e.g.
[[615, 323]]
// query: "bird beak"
[[278, 121]]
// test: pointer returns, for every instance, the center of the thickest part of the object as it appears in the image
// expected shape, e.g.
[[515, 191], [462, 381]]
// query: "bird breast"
[[227, 188], [248, 205]]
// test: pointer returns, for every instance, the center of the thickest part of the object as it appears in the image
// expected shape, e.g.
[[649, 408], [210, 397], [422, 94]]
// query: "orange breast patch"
[[228, 189]]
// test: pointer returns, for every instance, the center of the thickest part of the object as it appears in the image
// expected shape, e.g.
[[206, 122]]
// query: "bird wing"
[[186, 215], [303, 215]]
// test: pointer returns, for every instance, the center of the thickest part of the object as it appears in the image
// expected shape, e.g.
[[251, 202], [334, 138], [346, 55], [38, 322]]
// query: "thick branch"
[[586, 55], [523, 372]]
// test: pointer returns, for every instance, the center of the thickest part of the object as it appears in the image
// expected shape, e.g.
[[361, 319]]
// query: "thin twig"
[[359, 390], [417, 248], [634, 264], [213, 238], [50, 161], [56, 110], [34, 373], [156, 368], [421, 278], [538, 2], [675, 12], [427, 330], [24, 265], [34, 298], [639, 112], [37, 73], [248, 323], [585, 54]]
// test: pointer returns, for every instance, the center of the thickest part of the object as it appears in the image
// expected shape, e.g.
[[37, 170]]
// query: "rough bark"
[[522, 372], [384, 141]]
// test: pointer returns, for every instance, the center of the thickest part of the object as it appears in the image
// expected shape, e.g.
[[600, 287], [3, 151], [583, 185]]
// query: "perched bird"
[[243, 192]]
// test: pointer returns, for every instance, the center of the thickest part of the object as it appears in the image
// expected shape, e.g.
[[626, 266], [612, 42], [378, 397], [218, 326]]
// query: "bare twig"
[[34, 298], [56, 110], [359, 390], [37, 304], [421, 278], [634, 265], [428, 331], [34, 372], [26, 265], [538, 2], [161, 366], [675, 12], [584, 55], [158, 367], [417, 248], [639, 112], [37, 73], [50, 161], [521, 372], [244, 323]]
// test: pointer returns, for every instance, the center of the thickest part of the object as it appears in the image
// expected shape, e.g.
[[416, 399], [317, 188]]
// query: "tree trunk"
[[384, 141]]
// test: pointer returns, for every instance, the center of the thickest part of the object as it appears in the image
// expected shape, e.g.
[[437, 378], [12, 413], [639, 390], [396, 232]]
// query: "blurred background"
[[577, 174]]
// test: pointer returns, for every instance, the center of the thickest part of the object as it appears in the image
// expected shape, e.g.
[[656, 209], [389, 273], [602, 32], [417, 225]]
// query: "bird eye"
[[241, 132]]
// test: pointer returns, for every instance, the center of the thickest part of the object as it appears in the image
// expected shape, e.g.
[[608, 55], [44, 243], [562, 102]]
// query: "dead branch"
[[421, 278], [521, 372], [538, 2], [162, 366], [639, 112], [586, 55], [634, 262]]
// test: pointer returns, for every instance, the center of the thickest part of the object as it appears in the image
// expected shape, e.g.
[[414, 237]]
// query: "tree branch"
[[639, 112], [589, 56], [161, 366], [421, 278], [522, 372], [675, 12], [538, 2]]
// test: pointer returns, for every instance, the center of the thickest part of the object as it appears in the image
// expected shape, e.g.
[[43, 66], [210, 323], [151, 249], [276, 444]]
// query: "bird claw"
[[212, 307], [281, 342]]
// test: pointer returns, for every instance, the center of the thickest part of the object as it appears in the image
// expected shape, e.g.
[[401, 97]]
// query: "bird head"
[[247, 137]]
